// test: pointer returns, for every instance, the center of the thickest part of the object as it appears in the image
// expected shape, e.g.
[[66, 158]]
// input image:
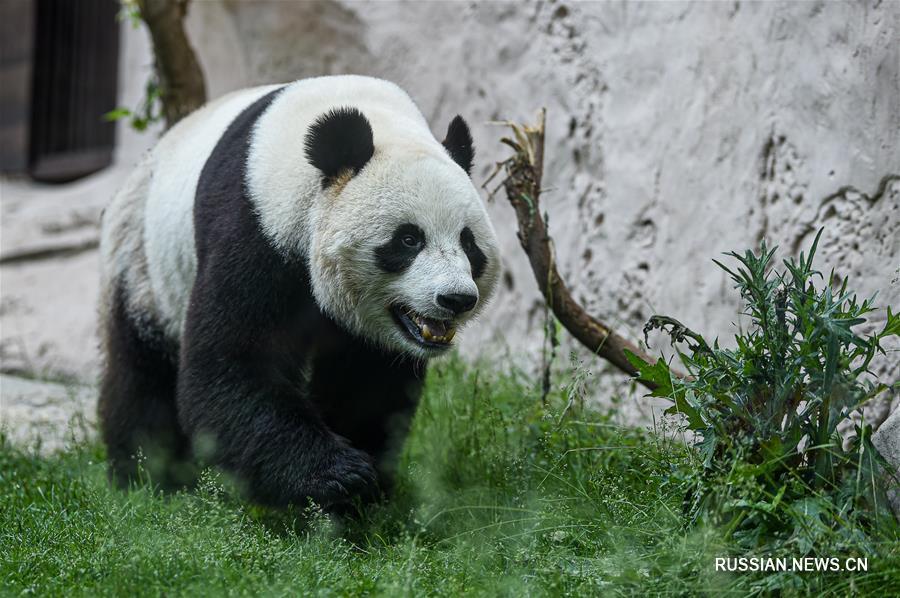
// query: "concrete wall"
[[676, 131]]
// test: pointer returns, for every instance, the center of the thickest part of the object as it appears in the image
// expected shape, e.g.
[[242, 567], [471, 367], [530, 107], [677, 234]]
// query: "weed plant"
[[774, 471]]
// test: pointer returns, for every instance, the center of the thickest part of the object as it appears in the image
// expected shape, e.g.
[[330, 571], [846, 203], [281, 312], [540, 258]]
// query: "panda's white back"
[[147, 238], [148, 229]]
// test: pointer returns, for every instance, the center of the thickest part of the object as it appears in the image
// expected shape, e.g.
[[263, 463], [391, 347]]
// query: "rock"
[[887, 440], [47, 416], [48, 318]]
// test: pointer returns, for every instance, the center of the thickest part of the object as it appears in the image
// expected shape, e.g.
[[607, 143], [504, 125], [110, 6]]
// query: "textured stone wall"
[[675, 132]]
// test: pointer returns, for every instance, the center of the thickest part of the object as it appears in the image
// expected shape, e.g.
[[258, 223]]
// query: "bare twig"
[[182, 86], [524, 171]]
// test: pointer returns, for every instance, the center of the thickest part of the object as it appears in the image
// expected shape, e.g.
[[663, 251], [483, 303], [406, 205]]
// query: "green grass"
[[498, 494]]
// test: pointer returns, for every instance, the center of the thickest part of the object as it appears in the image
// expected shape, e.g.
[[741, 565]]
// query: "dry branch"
[[524, 171], [181, 82]]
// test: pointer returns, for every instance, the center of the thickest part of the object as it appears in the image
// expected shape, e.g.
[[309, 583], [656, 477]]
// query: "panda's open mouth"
[[428, 332]]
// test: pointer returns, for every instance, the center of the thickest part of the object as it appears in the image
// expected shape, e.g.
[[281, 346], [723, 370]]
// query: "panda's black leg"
[[264, 433], [137, 404], [369, 397], [241, 399]]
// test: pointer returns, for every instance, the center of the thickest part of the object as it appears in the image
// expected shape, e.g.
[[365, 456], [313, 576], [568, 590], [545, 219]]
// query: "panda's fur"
[[275, 275]]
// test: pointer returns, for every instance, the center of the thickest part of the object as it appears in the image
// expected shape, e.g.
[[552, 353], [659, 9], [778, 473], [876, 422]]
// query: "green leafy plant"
[[149, 111], [129, 11], [765, 414]]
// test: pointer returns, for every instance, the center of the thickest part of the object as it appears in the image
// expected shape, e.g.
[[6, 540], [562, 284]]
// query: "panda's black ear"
[[339, 141], [459, 144]]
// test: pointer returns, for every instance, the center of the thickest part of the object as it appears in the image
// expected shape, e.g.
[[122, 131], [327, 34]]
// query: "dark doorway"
[[59, 79]]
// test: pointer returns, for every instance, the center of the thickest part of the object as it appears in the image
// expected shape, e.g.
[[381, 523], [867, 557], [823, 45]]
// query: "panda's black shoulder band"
[[338, 141]]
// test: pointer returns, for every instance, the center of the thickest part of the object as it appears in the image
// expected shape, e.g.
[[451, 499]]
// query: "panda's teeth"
[[427, 330]]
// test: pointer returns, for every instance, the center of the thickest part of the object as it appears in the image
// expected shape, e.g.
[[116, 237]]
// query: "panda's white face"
[[399, 245], [403, 253]]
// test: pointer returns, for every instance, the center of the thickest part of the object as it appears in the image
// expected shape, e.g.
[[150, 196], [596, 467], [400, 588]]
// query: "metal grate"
[[75, 83]]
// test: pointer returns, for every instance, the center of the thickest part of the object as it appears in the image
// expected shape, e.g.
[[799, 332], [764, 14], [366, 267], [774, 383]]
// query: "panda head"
[[401, 250]]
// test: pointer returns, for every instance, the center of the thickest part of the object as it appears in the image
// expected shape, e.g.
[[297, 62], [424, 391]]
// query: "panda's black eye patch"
[[397, 254], [477, 259]]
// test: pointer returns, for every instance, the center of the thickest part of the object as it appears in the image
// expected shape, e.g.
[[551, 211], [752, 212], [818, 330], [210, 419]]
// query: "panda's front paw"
[[347, 474]]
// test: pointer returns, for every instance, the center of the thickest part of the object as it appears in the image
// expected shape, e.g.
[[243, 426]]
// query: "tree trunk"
[[182, 86]]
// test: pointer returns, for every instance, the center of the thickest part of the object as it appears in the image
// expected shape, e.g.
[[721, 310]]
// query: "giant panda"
[[276, 274]]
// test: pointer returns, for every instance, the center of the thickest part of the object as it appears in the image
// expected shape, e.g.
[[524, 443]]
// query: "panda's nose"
[[457, 302]]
